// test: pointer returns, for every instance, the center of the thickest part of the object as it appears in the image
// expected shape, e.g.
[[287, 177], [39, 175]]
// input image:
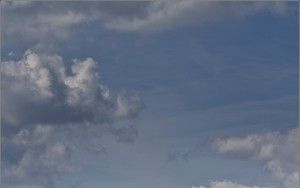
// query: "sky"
[[150, 94]]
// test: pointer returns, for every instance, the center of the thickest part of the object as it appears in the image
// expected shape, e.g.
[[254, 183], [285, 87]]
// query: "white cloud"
[[43, 81], [46, 105], [279, 152], [225, 184]]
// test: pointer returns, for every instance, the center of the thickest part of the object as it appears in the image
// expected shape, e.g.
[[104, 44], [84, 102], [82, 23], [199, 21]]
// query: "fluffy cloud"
[[279, 152], [225, 184], [46, 106], [43, 83]]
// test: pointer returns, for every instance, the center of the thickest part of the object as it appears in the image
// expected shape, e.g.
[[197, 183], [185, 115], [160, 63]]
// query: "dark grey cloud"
[[50, 109]]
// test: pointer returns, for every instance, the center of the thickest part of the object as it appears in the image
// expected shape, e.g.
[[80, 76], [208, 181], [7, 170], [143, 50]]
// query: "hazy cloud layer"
[[41, 22], [46, 106], [166, 14], [45, 22]]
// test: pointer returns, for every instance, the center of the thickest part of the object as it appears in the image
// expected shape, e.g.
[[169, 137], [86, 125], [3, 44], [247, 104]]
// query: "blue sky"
[[226, 71]]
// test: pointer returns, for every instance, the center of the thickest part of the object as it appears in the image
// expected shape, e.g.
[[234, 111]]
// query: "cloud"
[[34, 158], [279, 152], [169, 14], [42, 22], [50, 109], [225, 184], [44, 83], [179, 156]]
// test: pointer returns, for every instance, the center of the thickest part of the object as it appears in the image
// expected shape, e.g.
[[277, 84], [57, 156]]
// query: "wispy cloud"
[[169, 14], [39, 22]]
